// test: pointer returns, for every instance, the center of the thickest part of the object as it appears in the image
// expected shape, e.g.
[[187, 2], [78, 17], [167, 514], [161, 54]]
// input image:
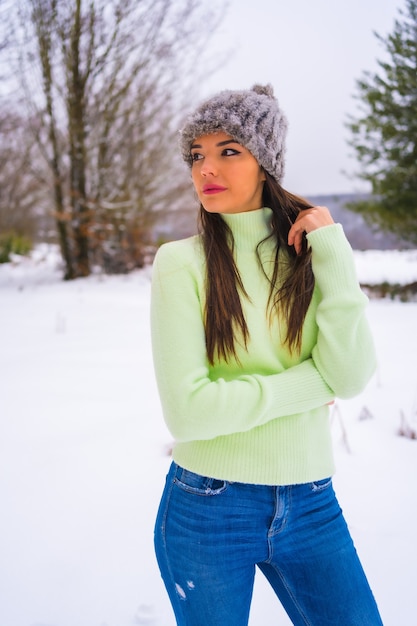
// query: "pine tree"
[[385, 137]]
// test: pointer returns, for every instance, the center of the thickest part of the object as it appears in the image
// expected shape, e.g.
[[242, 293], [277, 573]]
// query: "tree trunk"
[[76, 115], [44, 25]]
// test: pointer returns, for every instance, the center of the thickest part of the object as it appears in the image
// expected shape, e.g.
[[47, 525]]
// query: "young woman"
[[258, 324]]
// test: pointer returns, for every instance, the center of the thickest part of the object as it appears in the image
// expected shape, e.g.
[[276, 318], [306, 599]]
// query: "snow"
[[83, 451]]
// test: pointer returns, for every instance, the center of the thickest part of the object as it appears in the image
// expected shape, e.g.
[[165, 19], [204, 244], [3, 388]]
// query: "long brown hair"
[[291, 294]]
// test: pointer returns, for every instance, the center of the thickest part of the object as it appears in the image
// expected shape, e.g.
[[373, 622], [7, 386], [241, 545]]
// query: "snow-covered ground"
[[83, 452]]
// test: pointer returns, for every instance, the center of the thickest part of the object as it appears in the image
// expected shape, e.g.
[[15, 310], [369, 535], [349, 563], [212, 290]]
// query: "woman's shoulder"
[[180, 253]]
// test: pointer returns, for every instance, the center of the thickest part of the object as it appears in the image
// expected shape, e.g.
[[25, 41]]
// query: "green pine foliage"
[[385, 136]]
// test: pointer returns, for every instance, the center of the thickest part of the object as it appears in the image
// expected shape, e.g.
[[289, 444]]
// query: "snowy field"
[[83, 452]]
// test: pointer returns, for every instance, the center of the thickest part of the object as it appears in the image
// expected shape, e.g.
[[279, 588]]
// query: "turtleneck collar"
[[249, 227]]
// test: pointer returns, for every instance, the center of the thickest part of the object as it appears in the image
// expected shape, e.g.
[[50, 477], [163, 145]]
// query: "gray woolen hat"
[[252, 117]]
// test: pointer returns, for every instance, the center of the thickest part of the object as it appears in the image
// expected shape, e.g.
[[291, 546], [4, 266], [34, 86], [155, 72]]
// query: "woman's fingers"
[[307, 221]]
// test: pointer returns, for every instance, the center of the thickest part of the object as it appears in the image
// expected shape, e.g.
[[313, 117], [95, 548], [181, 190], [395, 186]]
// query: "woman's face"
[[226, 176]]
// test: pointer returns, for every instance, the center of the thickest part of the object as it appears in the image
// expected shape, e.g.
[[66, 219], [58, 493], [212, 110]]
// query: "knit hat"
[[252, 117]]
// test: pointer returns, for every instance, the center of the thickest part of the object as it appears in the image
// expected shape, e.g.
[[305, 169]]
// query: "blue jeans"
[[210, 534]]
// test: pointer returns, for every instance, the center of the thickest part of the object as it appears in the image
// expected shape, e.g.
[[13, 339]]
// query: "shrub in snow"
[[405, 430], [11, 243]]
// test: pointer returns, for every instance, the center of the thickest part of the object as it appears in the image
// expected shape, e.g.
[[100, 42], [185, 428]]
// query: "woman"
[[257, 325]]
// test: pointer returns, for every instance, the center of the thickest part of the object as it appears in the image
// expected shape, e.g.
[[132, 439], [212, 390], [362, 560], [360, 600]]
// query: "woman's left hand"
[[307, 221]]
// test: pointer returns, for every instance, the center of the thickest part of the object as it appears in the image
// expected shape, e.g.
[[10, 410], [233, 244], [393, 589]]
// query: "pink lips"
[[211, 189]]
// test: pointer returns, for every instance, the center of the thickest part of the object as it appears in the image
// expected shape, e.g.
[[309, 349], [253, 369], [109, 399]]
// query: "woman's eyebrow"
[[221, 143], [224, 143]]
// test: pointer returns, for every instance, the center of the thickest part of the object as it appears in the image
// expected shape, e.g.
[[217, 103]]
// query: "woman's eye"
[[196, 156], [230, 152]]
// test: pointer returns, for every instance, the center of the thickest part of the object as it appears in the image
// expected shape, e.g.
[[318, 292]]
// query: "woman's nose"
[[208, 168]]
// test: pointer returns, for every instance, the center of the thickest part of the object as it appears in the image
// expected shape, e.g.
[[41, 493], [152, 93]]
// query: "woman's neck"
[[249, 228]]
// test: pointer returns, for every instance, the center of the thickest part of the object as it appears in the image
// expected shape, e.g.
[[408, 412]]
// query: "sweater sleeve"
[[196, 407], [344, 353]]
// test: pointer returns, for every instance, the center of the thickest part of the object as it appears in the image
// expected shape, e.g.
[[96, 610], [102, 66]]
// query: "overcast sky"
[[312, 52]]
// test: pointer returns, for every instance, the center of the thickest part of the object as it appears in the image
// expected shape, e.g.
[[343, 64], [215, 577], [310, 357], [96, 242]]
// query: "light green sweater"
[[266, 419]]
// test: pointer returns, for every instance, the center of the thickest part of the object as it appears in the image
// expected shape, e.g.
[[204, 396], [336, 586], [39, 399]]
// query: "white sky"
[[312, 52]]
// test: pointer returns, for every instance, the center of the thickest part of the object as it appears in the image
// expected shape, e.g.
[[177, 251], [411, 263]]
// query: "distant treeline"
[[183, 223]]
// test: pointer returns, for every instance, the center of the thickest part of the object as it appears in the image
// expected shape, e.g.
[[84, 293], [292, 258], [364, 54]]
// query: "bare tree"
[[106, 82], [21, 193]]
